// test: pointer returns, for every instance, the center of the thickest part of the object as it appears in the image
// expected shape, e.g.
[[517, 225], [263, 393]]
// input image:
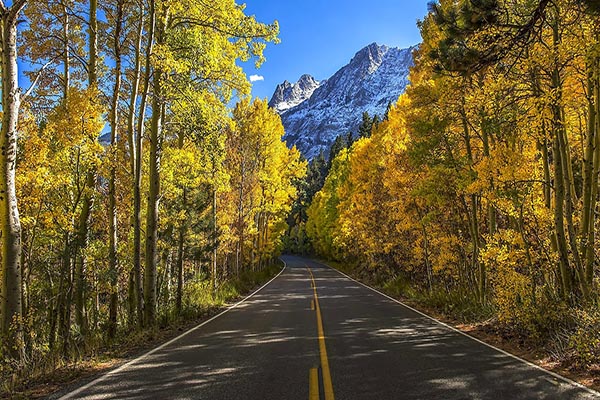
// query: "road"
[[332, 339]]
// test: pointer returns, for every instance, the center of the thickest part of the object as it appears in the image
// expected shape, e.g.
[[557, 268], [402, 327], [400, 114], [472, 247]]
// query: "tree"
[[365, 127], [233, 35], [488, 165], [338, 145], [127, 118], [10, 306], [118, 16], [263, 171]]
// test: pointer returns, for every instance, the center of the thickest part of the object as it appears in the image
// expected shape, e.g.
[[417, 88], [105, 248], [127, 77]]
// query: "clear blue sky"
[[318, 37]]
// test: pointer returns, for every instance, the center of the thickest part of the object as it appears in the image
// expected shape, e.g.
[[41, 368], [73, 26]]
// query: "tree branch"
[[15, 9], [36, 80], [223, 30]]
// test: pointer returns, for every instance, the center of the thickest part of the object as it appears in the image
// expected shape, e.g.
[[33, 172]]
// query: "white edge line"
[[143, 356], [554, 374]]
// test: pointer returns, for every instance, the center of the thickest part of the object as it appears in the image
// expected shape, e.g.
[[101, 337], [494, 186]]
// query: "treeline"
[[480, 187], [129, 189], [295, 239]]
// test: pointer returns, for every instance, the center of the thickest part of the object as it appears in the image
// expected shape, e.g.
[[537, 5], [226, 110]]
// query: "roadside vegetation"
[[134, 198], [41, 377], [477, 193]]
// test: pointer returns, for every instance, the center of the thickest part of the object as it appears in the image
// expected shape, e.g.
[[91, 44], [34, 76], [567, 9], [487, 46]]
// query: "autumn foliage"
[[480, 187], [141, 193]]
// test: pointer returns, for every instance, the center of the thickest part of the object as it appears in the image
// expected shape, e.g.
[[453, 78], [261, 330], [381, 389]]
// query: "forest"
[[477, 193], [132, 192], [142, 187]]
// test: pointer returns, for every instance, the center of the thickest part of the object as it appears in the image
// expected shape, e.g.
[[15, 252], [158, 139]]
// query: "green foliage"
[[365, 127], [198, 298]]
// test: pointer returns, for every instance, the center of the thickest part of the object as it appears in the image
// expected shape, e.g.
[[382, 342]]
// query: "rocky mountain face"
[[315, 113], [288, 95]]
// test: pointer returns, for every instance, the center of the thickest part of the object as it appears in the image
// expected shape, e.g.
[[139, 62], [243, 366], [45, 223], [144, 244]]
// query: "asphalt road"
[[338, 340]]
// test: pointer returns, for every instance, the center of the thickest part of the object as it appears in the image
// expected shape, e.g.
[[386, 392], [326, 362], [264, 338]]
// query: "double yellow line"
[[313, 377]]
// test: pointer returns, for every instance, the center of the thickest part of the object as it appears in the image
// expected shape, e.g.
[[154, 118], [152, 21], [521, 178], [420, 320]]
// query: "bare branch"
[[36, 80], [14, 10]]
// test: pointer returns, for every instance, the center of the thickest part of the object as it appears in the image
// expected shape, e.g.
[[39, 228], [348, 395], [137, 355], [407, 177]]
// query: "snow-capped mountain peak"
[[370, 57], [315, 113], [288, 95]]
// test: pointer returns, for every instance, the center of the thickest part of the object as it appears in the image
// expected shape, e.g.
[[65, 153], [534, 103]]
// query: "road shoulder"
[[67, 382], [589, 381]]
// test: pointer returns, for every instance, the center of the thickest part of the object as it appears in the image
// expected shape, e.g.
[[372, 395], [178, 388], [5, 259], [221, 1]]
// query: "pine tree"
[[364, 129], [376, 122], [338, 145], [387, 111], [350, 138]]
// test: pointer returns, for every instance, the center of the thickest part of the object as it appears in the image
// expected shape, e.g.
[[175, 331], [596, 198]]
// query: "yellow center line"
[[313, 384], [327, 385]]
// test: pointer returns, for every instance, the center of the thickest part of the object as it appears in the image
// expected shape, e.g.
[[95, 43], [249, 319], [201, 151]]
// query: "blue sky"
[[318, 37]]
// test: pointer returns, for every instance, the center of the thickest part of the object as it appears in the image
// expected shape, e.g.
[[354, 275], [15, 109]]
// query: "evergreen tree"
[[364, 129], [593, 6], [349, 139], [340, 143], [387, 111], [376, 121], [317, 173], [468, 24]]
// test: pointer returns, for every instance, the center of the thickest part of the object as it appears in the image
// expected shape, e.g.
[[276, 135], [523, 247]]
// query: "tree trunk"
[[567, 188], [65, 299], [546, 165], [180, 254], [181, 240], [154, 186], [485, 138], [88, 198], [215, 243], [10, 303], [112, 206], [152, 209], [559, 227], [135, 292], [137, 199], [93, 44], [594, 126], [239, 253], [480, 288], [66, 55]]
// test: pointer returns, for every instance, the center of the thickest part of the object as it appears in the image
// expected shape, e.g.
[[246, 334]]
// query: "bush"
[[454, 302], [458, 304], [584, 342]]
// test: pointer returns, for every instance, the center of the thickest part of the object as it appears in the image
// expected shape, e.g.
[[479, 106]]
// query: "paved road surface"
[[338, 340]]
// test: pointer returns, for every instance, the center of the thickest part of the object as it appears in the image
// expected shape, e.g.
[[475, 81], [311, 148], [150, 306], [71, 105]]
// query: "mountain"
[[288, 95], [314, 113]]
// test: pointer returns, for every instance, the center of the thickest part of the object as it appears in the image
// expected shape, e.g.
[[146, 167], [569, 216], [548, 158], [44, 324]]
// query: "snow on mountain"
[[288, 95], [314, 113]]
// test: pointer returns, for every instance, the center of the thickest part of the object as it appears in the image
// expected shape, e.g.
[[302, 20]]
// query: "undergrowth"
[[568, 335], [45, 366]]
